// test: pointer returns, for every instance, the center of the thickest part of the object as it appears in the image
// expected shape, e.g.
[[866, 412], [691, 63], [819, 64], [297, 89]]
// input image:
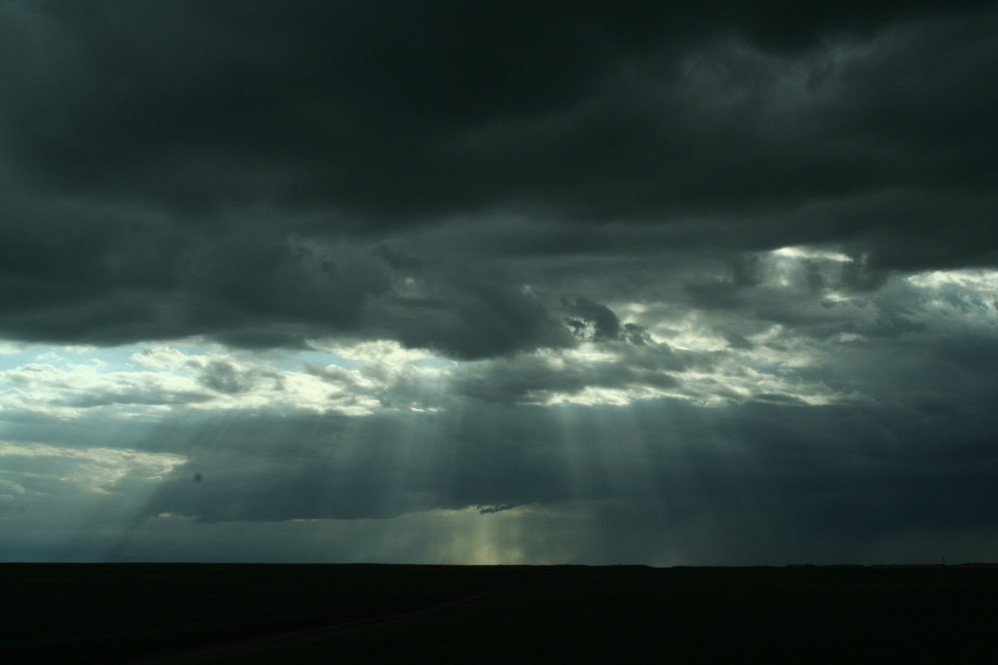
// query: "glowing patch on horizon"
[[471, 537]]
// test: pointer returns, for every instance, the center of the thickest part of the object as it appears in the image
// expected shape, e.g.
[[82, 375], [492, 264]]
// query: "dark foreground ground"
[[144, 613]]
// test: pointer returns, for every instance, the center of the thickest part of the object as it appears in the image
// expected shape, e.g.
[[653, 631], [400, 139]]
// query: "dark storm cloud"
[[252, 171], [818, 473], [111, 282], [468, 315]]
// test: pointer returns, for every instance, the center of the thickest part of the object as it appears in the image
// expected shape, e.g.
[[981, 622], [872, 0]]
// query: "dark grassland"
[[190, 613]]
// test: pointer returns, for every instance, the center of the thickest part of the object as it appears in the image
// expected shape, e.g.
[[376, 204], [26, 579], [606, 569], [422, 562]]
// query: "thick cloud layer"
[[265, 175], [722, 271]]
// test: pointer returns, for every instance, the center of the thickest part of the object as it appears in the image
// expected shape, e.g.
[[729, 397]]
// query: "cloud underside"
[[447, 177]]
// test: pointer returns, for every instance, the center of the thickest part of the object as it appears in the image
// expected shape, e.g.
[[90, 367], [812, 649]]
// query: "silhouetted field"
[[188, 613]]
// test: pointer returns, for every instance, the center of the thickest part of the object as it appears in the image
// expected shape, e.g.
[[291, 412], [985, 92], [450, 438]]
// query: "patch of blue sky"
[[109, 359], [14, 355], [65, 357], [295, 360]]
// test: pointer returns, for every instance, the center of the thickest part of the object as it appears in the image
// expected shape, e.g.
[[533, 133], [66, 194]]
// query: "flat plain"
[[235, 613]]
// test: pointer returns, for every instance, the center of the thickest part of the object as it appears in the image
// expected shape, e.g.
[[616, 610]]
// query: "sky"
[[707, 283]]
